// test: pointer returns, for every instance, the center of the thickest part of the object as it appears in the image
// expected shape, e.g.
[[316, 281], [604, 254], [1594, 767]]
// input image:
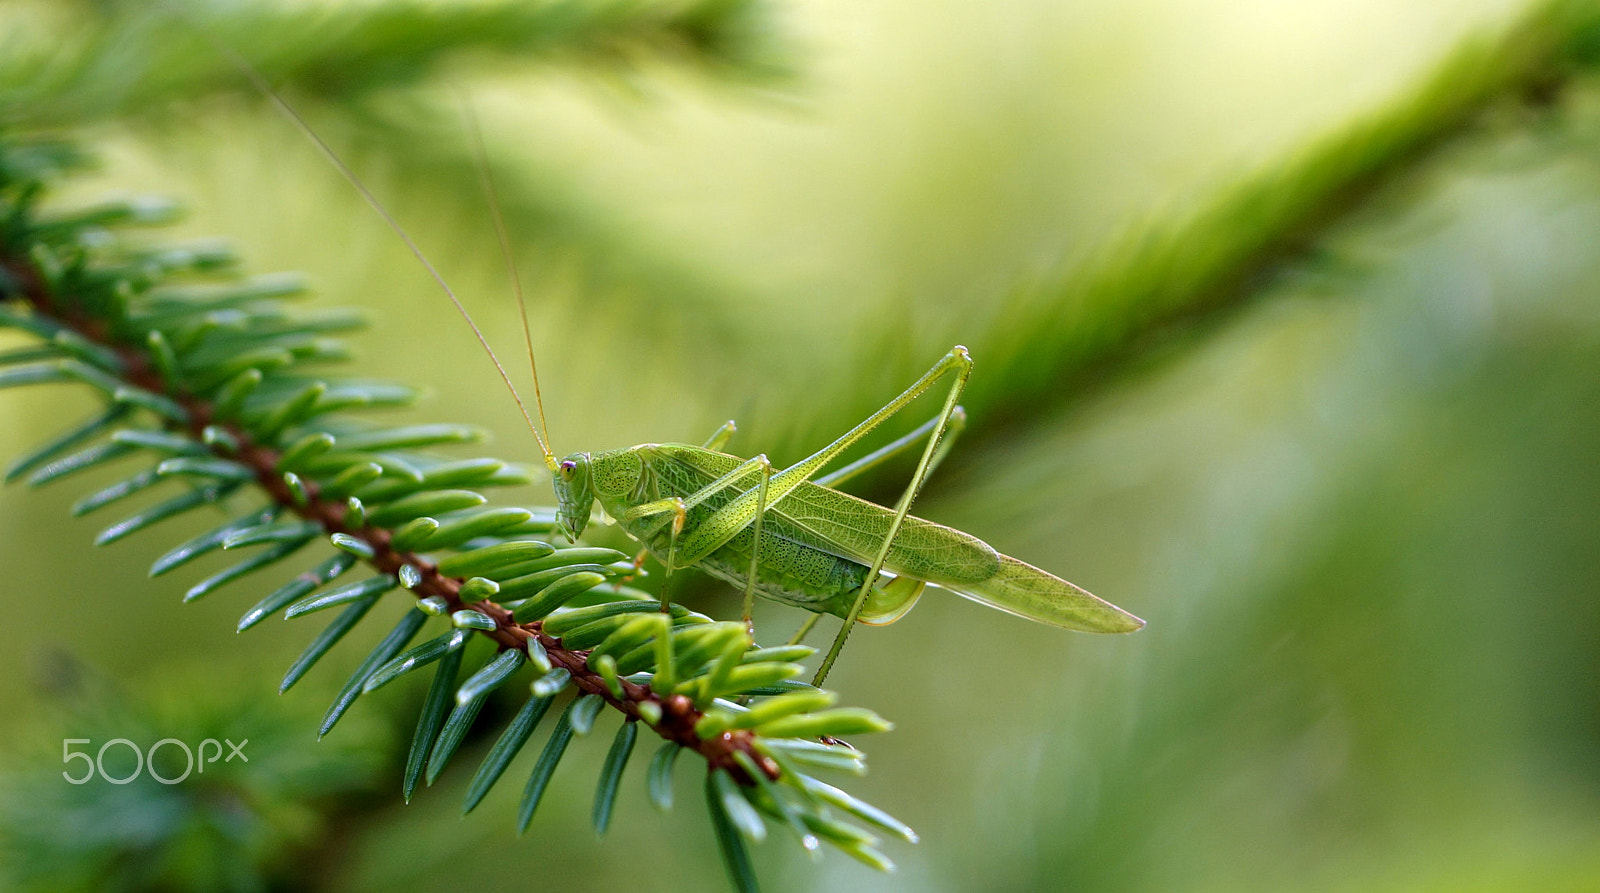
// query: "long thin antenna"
[[344, 170], [486, 180]]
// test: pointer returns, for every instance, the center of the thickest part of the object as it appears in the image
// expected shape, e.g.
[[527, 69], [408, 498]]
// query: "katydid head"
[[574, 495]]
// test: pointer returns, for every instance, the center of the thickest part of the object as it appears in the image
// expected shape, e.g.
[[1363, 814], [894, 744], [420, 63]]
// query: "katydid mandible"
[[778, 534]]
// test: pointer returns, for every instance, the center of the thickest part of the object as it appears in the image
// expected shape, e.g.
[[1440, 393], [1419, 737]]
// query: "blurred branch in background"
[[98, 61], [1163, 280], [1365, 512]]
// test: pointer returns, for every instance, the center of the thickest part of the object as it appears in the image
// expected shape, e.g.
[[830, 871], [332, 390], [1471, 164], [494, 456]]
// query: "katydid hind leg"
[[958, 423], [727, 522], [958, 362], [750, 505]]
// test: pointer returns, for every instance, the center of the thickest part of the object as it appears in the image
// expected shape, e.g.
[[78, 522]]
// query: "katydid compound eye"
[[569, 466]]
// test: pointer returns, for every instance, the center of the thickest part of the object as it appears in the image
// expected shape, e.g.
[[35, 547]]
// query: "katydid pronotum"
[[781, 534]]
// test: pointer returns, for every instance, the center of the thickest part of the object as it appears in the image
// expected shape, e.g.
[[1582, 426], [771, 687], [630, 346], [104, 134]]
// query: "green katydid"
[[781, 534]]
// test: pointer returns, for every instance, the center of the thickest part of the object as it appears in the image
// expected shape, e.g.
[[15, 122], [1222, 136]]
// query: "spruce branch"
[[675, 715], [210, 375]]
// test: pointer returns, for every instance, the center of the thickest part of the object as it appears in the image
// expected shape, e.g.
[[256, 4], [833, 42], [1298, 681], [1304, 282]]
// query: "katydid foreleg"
[[717, 441], [678, 508]]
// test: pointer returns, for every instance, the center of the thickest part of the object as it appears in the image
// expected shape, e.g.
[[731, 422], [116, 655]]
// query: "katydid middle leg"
[[720, 437], [755, 543], [680, 513]]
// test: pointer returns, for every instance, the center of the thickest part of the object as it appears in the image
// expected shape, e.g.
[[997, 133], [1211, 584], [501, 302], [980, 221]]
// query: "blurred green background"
[[1287, 323]]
